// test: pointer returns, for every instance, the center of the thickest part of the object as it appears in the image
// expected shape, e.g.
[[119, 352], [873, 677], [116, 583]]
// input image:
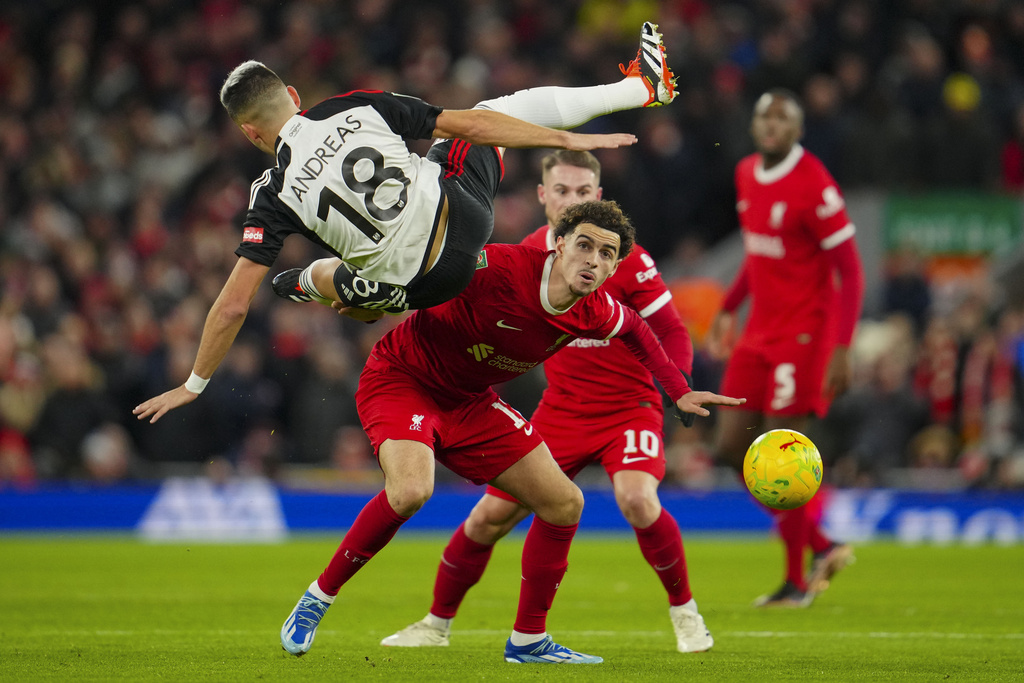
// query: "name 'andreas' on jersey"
[[345, 178]]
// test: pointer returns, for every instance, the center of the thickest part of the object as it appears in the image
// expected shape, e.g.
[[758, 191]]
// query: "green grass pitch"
[[104, 609]]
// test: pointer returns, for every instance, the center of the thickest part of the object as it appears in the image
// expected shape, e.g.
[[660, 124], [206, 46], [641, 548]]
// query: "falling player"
[[803, 275], [618, 426], [405, 232]]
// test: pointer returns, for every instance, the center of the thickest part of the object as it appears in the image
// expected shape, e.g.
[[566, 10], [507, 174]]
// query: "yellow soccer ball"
[[782, 469]]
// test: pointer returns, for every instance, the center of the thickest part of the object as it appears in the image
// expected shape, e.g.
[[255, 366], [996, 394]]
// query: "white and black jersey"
[[346, 180]]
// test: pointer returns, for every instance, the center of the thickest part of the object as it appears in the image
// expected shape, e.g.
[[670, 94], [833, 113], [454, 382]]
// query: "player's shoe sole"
[[299, 628], [546, 652], [827, 564], [787, 596], [651, 65], [419, 634]]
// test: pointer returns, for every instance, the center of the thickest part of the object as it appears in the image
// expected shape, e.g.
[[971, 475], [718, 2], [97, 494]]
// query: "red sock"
[[462, 564], [375, 525], [545, 559], [662, 546], [816, 538], [794, 530]]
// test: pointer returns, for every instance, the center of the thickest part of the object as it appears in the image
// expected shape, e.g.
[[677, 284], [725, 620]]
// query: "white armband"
[[196, 384]]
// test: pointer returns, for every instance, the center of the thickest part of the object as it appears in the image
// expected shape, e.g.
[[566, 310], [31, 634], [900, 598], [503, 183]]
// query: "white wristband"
[[196, 384]]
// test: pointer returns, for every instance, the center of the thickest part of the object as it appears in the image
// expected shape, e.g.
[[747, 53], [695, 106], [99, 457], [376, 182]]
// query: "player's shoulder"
[[508, 255], [538, 238], [811, 167], [745, 166]]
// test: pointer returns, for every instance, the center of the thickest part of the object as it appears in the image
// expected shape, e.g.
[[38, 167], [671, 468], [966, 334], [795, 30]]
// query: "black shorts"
[[470, 180]]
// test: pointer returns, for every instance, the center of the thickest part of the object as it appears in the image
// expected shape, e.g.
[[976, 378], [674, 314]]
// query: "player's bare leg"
[[463, 562], [409, 482], [661, 544]]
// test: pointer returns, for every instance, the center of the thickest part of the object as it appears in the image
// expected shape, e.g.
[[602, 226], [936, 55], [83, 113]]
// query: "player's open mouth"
[[588, 277]]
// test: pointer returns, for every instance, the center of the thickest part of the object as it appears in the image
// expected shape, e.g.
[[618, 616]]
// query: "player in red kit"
[[803, 275], [425, 393], [619, 426]]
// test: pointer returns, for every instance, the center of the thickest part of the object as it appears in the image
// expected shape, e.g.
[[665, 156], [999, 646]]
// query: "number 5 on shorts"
[[785, 385]]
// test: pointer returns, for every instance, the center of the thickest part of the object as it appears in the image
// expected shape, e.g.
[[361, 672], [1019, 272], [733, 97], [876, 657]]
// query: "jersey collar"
[[780, 170], [549, 238], [545, 278]]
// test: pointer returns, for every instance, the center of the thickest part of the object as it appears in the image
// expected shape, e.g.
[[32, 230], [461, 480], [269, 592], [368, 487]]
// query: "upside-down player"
[[404, 231], [619, 426], [803, 275]]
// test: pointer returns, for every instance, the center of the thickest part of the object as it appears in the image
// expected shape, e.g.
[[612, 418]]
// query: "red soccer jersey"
[[605, 370], [503, 325], [790, 215]]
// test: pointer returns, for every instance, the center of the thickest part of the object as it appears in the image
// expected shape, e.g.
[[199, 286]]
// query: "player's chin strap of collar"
[[686, 418]]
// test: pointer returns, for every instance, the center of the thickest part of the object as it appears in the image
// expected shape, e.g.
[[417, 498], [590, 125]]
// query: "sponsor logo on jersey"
[[417, 423], [505, 326], [646, 275], [590, 343], [480, 351], [481, 260], [252, 235], [764, 245]]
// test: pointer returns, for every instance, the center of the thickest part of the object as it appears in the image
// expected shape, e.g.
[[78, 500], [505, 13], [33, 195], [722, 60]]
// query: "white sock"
[[314, 588], [306, 282], [520, 639], [437, 622], [566, 108], [690, 607]]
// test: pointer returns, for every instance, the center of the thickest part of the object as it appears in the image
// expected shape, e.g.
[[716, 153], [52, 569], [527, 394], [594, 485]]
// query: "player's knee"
[[484, 528], [639, 508], [407, 497], [565, 509]]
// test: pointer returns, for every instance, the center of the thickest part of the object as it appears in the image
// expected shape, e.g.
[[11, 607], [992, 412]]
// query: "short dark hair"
[[571, 157], [785, 94], [605, 214], [248, 86]]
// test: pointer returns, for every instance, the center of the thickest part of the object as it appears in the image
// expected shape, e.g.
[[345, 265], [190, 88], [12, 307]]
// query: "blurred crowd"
[[122, 184]]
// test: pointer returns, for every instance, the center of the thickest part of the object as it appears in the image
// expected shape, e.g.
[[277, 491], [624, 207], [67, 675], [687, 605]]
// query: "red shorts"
[[477, 439], [627, 440], [780, 379]]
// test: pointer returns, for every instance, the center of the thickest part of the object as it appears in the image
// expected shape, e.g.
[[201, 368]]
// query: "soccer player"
[[405, 232], [425, 393], [619, 426], [803, 275]]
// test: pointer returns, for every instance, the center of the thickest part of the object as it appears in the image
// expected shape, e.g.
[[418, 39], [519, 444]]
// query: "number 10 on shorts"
[[646, 445]]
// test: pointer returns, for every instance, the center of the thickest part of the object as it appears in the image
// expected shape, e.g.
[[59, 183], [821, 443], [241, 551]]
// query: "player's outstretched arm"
[[222, 324], [485, 127], [694, 402]]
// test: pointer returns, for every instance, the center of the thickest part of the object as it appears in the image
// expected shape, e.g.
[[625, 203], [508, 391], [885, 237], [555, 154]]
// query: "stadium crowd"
[[122, 185]]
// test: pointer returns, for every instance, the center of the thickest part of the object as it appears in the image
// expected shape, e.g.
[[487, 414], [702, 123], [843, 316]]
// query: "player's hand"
[[721, 336], [158, 406], [583, 142], [694, 401], [362, 314], [839, 373]]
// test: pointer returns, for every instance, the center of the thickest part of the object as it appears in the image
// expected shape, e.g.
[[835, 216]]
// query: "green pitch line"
[[95, 609]]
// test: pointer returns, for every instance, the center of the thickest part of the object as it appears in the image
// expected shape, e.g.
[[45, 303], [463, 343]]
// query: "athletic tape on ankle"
[[196, 384]]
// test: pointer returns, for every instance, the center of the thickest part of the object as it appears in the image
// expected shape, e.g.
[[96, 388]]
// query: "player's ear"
[[540, 193], [294, 94], [599, 193]]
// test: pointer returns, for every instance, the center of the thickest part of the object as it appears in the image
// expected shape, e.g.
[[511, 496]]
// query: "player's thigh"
[[538, 482]]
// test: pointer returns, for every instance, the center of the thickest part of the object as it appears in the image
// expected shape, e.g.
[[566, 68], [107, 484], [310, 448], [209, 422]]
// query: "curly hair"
[[606, 215]]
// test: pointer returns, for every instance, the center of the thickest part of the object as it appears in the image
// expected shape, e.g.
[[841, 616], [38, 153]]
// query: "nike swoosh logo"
[[660, 568], [627, 460], [502, 325]]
